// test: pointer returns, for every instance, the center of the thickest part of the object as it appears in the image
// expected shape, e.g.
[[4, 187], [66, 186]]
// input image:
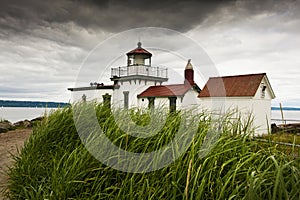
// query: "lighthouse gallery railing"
[[139, 70]]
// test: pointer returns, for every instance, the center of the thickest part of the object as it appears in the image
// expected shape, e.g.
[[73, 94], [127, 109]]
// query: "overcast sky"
[[43, 44]]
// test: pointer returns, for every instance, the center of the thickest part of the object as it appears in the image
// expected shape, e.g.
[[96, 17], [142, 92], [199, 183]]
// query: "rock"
[[5, 126], [293, 128], [26, 123], [274, 128], [38, 119], [18, 124]]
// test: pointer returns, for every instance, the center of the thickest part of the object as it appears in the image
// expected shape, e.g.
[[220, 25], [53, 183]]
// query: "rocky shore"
[[6, 125], [286, 128]]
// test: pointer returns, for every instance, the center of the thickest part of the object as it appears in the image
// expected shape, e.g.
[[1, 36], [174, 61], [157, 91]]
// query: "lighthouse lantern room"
[[139, 56], [139, 67]]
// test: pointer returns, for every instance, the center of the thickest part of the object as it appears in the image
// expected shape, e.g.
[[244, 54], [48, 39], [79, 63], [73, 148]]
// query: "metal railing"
[[139, 70], [285, 121]]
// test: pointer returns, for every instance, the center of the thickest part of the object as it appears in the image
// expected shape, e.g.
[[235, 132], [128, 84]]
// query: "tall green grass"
[[54, 164]]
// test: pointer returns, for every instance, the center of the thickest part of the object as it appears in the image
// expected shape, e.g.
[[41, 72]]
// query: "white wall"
[[142, 102], [262, 119], [190, 100], [162, 102], [134, 88], [259, 108]]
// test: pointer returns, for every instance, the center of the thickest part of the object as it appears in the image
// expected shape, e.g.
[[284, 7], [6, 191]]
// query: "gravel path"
[[10, 142]]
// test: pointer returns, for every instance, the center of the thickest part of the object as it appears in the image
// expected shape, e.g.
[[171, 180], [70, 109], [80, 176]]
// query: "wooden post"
[[283, 122]]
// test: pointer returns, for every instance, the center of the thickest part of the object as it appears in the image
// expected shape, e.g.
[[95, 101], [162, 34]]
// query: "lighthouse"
[[140, 84], [137, 76]]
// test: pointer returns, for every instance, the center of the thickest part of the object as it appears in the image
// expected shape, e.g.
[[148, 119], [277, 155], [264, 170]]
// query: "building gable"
[[265, 90]]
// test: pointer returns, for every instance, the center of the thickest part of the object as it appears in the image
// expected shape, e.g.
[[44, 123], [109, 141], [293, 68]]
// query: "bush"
[[54, 164]]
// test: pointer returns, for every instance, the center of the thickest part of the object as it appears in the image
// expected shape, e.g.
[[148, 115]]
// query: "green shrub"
[[54, 164]]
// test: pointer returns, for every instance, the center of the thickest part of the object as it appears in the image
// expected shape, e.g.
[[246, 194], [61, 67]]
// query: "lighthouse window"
[[147, 62], [126, 99], [130, 60]]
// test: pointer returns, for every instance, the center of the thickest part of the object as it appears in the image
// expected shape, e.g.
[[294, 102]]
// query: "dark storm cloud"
[[110, 15], [46, 41], [115, 16]]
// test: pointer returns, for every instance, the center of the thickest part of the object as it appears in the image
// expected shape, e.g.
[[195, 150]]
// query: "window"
[[151, 102], [126, 99], [263, 90], [147, 61], [172, 104], [130, 60]]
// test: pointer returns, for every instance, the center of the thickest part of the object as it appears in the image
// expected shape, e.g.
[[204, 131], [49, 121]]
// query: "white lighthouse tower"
[[134, 78]]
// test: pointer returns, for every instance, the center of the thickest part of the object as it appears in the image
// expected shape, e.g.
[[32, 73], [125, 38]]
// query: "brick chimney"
[[189, 73]]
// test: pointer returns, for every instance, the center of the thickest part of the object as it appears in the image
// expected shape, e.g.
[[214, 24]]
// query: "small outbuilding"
[[248, 94]]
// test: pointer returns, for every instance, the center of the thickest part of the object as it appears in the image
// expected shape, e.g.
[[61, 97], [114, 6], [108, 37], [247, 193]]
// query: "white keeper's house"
[[139, 84]]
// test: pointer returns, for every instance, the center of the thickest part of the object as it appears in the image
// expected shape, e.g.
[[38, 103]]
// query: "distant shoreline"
[[285, 108], [51, 104], [32, 104]]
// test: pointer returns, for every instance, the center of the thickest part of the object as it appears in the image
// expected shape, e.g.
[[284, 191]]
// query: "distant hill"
[[39, 104], [285, 108]]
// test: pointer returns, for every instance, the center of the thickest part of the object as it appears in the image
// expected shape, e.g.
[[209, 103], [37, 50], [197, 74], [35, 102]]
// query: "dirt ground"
[[10, 142]]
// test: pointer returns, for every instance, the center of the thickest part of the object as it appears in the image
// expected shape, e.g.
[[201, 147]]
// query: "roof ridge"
[[143, 51], [237, 75]]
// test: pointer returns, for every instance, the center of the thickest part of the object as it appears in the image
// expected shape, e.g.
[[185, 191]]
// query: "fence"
[[285, 121]]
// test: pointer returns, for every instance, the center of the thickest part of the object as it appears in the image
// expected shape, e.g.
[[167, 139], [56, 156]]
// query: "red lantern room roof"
[[139, 50]]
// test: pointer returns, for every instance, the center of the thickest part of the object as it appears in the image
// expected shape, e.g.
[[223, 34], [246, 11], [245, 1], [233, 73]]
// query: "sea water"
[[14, 114], [289, 116]]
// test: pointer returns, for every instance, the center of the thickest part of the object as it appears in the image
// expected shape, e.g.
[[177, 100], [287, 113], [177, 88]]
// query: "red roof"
[[232, 86], [166, 90], [139, 50]]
